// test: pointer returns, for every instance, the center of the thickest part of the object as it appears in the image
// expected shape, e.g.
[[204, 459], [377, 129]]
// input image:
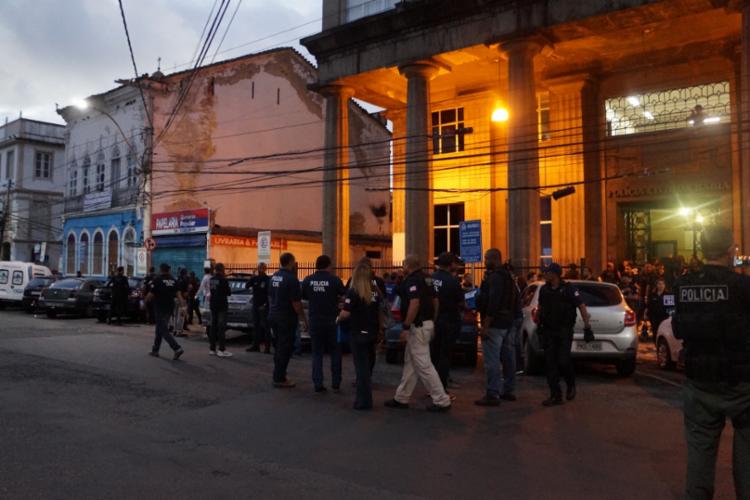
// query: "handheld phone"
[[741, 260]]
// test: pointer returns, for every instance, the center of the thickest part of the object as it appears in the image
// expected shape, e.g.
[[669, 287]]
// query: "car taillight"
[[630, 318], [534, 315]]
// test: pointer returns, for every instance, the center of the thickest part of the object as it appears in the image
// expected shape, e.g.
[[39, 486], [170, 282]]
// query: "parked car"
[[33, 291], [613, 323], [69, 296], [466, 344], [102, 301], [240, 313], [14, 277], [669, 350]]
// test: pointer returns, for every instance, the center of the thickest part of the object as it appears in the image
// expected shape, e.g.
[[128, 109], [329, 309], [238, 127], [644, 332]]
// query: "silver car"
[[613, 323], [240, 305]]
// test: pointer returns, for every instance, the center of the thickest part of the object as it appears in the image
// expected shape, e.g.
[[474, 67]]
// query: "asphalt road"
[[85, 413]]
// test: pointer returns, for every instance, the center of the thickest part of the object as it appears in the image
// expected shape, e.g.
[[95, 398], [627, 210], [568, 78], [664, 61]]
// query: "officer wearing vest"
[[450, 306], [323, 290], [418, 309], [712, 317], [559, 302]]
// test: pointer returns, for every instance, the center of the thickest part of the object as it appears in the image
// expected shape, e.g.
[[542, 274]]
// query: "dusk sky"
[[57, 51]]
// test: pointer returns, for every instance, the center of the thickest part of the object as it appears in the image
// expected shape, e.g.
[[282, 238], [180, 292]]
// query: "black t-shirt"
[[120, 286], [182, 285], [260, 285], [284, 290], [220, 291], [557, 306], [364, 321], [164, 288], [450, 295], [323, 290], [418, 286]]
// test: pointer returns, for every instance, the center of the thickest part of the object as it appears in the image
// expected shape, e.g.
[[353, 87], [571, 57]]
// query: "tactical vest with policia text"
[[712, 317]]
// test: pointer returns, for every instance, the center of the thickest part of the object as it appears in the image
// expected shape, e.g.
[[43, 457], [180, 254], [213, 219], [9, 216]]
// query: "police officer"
[[418, 309], [497, 304], [712, 317], [162, 295], [259, 285], [120, 291], [556, 315], [450, 306], [323, 291], [219, 304], [285, 312]]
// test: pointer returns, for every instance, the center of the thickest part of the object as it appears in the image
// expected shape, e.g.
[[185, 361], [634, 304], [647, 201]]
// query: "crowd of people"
[[432, 309]]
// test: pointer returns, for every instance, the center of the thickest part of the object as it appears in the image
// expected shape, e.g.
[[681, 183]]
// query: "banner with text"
[[186, 221]]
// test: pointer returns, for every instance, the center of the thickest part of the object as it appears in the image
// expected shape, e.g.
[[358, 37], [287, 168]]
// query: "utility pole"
[[4, 220]]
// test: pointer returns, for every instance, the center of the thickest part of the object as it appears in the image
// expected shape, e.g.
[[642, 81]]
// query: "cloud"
[[57, 51]]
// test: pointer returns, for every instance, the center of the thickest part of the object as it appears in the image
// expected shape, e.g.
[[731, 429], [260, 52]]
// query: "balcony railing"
[[120, 198]]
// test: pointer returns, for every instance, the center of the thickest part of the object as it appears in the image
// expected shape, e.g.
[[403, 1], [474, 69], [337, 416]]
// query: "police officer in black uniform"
[[323, 290], [450, 306], [259, 284], [285, 312], [119, 300], [418, 309], [162, 295], [712, 317], [556, 315]]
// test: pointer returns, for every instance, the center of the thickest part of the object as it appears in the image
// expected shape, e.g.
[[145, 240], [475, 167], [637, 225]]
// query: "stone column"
[[523, 154], [595, 228], [336, 174], [744, 128], [417, 178]]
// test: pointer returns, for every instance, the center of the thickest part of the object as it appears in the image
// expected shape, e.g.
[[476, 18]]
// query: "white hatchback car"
[[669, 353], [613, 323]]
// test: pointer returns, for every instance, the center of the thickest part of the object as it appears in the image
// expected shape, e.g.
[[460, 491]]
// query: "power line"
[[229, 25], [132, 59]]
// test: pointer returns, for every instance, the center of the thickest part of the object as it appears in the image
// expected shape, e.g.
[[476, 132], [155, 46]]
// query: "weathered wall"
[[258, 106]]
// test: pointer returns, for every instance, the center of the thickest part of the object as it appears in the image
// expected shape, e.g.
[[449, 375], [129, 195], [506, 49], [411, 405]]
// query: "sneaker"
[[392, 403], [284, 385], [553, 401], [179, 352], [321, 390], [520, 372], [212, 352], [154, 354], [437, 409], [509, 397], [223, 354], [487, 401]]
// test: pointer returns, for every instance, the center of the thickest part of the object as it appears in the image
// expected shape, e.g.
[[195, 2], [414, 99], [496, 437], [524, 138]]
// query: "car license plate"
[[36, 294], [591, 346]]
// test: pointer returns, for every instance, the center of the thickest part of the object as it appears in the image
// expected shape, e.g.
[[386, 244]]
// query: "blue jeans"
[[322, 335], [499, 362], [162, 331]]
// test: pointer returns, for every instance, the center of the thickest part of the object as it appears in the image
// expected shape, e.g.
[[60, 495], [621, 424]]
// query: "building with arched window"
[[103, 212]]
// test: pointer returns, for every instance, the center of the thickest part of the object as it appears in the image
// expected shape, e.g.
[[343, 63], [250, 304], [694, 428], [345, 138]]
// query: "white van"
[[14, 276]]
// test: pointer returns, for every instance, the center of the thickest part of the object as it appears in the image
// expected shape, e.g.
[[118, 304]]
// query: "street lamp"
[[500, 115], [84, 104]]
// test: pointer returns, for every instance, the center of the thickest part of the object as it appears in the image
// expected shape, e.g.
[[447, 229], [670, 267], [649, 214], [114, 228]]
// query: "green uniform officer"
[[712, 317]]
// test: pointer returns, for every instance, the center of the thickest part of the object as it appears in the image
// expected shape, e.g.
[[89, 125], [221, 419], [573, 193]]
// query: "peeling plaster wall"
[[252, 107]]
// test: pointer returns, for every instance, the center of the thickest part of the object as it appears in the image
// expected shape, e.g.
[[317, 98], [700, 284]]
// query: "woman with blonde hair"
[[362, 310]]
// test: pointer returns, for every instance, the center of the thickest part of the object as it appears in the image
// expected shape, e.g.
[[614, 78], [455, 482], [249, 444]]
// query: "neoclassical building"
[[573, 130]]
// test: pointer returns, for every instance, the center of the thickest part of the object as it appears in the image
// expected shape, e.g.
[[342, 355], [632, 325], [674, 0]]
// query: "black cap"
[[164, 267]]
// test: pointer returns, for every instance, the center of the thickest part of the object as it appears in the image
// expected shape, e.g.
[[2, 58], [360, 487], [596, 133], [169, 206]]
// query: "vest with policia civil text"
[[712, 317]]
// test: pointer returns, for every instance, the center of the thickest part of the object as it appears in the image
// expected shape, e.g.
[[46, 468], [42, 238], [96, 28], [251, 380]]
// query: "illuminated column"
[[523, 154], [335, 176], [595, 227], [417, 176], [744, 127], [398, 197]]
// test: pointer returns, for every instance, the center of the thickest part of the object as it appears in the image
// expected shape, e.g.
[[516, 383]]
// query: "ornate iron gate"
[[638, 223]]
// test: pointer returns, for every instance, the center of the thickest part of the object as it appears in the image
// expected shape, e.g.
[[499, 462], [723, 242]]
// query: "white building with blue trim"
[[103, 219]]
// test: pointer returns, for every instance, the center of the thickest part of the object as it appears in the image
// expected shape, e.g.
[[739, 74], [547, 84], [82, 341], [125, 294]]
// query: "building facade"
[[105, 141], [572, 129], [245, 153], [32, 176]]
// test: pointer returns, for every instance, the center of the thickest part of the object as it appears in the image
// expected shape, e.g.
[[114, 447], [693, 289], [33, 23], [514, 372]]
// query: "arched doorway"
[[83, 255], [98, 264], [70, 260], [113, 252], [128, 251]]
